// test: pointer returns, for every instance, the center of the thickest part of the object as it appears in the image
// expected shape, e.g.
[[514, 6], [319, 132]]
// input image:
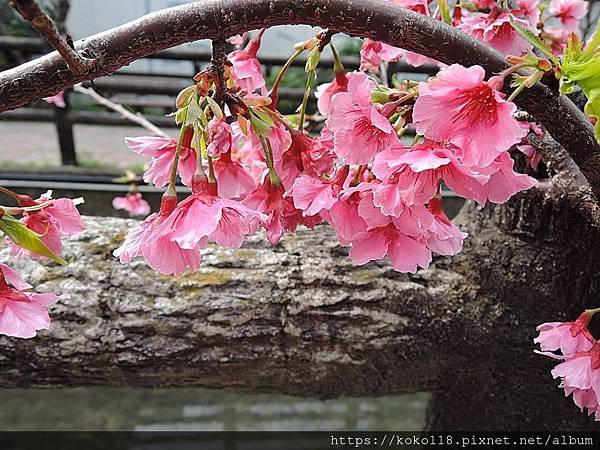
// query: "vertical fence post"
[[64, 129]]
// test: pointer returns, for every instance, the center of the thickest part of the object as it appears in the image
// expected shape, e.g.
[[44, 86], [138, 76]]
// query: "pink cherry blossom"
[[237, 40], [133, 203], [494, 28], [219, 137], [233, 180], [581, 370], [443, 237], [325, 92], [22, 313], [532, 153], [360, 130], [569, 337], [57, 100], [202, 217], [584, 399], [13, 278], [281, 214], [570, 12], [406, 253], [528, 9], [344, 216], [373, 53], [162, 153], [59, 218], [503, 182], [415, 175], [312, 195], [246, 70], [151, 240], [458, 106]]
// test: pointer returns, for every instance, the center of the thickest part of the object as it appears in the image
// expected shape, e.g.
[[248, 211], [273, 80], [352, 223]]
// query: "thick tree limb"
[[43, 24], [383, 21], [297, 319]]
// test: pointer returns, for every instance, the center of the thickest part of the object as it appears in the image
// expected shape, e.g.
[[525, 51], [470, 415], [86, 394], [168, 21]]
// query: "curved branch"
[[214, 19]]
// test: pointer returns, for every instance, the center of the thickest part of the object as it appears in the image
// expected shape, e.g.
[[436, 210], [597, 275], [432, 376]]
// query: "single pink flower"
[[570, 12], [406, 253], [151, 240], [569, 337], [203, 217], [57, 100], [281, 214], [22, 314], [13, 278], [584, 399], [312, 195], [443, 237], [532, 153], [237, 40], [495, 29], [503, 182], [360, 131], [133, 203], [233, 180], [219, 137], [162, 152], [458, 106], [373, 53], [416, 173], [246, 70], [528, 9], [581, 370], [344, 216], [326, 91]]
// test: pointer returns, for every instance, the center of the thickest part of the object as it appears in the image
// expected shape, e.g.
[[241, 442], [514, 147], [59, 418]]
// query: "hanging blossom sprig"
[[255, 168], [579, 371], [36, 234]]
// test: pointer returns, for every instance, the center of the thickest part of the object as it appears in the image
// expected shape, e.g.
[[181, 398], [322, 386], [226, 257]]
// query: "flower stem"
[[307, 89], [281, 74], [173, 180], [9, 193], [338, 67], [591, 312]]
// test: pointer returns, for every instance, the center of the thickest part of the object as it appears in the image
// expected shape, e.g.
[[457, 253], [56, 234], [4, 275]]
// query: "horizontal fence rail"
[[144, 92]]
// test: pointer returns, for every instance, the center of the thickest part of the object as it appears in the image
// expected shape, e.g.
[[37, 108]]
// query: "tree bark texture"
[[217, 19], [301, 319]]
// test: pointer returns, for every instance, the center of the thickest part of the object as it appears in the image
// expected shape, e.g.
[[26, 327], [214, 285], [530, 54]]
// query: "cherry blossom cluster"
[[249, 166], [579, 371], [489, 21], [37, 234]]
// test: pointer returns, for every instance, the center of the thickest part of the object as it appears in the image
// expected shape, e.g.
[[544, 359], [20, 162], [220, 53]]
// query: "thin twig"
[[136, 118], [218, 61], [44, 25]]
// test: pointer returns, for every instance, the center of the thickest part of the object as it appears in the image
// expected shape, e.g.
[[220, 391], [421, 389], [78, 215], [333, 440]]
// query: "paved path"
[[36, 145]]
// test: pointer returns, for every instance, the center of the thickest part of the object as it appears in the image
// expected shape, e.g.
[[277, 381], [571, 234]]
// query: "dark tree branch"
[[217, 19], [44, 25], [568, 185]]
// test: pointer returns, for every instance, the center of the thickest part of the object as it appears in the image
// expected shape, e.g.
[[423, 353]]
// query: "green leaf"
[[260, 121], [26, 238], [445, 11], [530, 37], [313, 60], [581, 67], [194, 112], [216, 109]]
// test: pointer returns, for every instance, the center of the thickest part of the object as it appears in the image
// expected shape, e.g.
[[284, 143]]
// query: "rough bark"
[[217, 19], [297, 319]]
